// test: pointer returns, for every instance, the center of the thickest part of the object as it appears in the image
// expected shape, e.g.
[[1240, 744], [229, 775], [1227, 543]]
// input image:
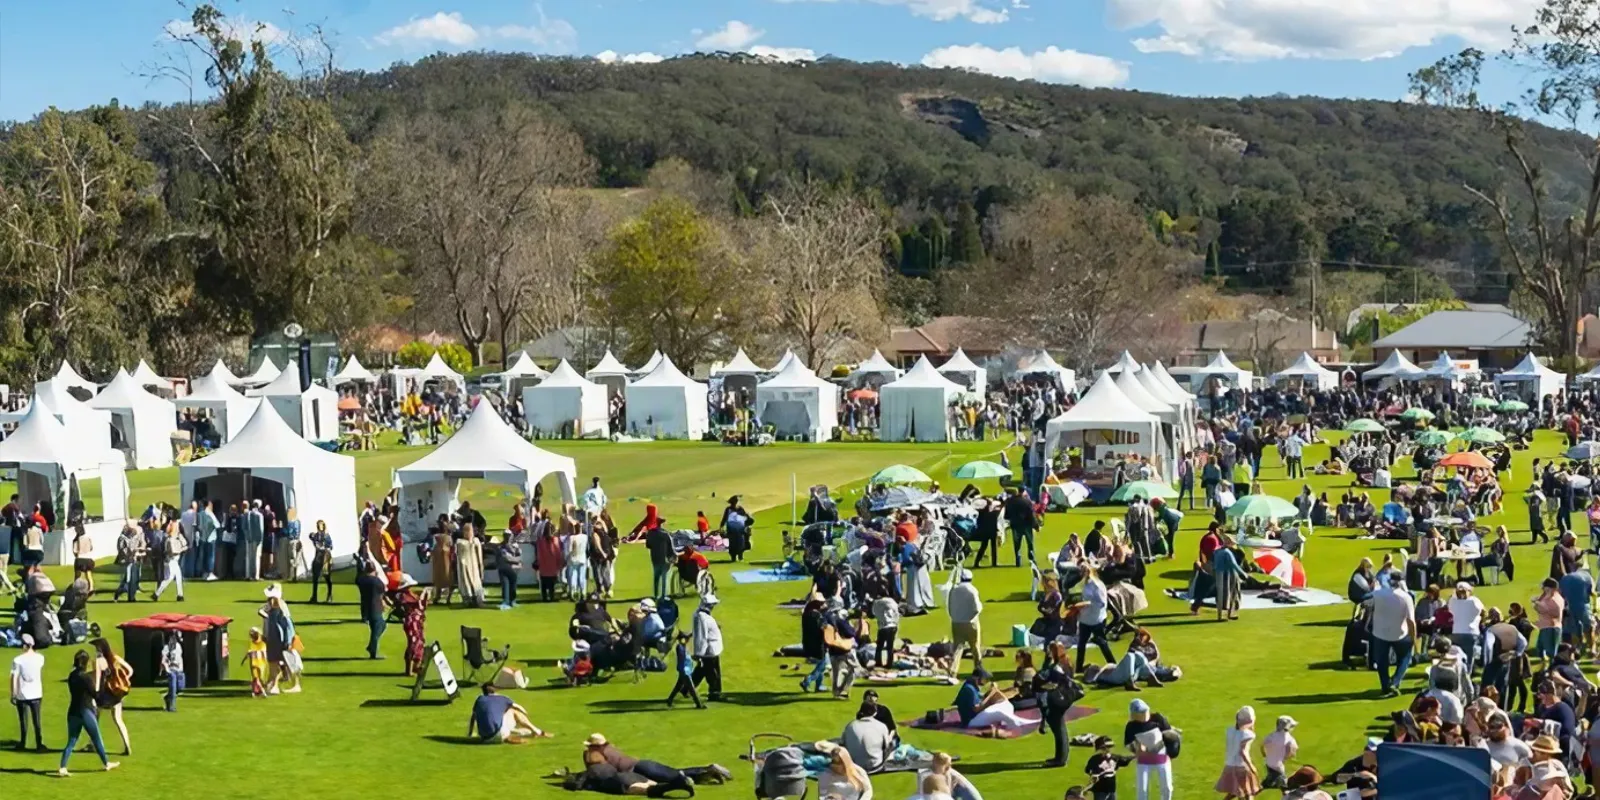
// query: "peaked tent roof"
[[959, 362], [436, 368], [1396, 365], [1305, 365], [788, 356], [1103, 404], [666, 373], [740, 364], [264, 374], [565, 375], [287, 384], [221, 372], [796, 376], [523, 366], [875, 365], [1129, 383], [69, 377], [58, 399], [267, 442], [1220, 362], [39, 438], [651, 364], [353, 372], [1125, 364], [148, 377], [124, 391], [1529, 367], [1153, 385], [609, 367], [210, 389], [1445, 367], [1040, 363], [485, 443], [922, 374], [1170, 382]]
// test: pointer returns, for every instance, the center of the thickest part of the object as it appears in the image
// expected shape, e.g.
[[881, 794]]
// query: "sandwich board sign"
[[433, 660]]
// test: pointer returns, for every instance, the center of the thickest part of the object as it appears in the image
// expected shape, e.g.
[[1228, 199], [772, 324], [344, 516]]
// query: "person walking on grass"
[[113, 680], [371, 588], [321, 560], [130, 559], [965, 607], [27, 692], [1239, 769], [685, 668], [708, 648], [172, 667], [81, 714], [1023, 522], [174, 547], [508, 565]]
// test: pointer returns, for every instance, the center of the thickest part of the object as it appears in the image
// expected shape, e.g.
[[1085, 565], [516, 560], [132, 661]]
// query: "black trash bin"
[[196, 640], [142, 640], [216, 647]]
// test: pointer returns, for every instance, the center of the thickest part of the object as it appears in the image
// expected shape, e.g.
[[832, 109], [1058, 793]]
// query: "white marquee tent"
[[740, 373], [1223, 369], [1161, 374], [313, 413], [524, 367], [1170, 416], [220, 371], [483, 448], [1041, 363], [1532, 378], [89, 428], [353, 372], [666, 404], [916, 407], [229, 409], [1592, 375], [1307, 371], [1125, 364], [795, 402], [50, 464], [264, 374], [874, 370], [962, 370], [270, 462], [144, 421], [147, 377], [649, 365], [567, 398], [68, 378], [1396, 366], [1105, 423], [1183, 404], [437, 370], [610, 373], [1445, 368]]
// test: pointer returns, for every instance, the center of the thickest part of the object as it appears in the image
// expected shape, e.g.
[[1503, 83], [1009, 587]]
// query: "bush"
[[456, 356], [491, 353], [416, 354]]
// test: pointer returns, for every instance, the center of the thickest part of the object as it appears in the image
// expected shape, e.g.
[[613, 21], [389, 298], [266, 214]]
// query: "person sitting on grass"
[[979, 709], [496, 719]]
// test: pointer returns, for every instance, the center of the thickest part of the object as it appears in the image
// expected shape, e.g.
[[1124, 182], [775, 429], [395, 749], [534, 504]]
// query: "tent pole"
[[794, 513]]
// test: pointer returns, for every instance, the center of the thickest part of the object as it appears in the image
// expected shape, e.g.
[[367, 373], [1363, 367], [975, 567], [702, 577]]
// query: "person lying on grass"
[[496, 719], [599, 752]]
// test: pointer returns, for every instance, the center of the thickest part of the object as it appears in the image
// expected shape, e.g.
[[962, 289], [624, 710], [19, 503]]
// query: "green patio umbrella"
[[1434, 438], [1483, 402], [1145, 489], [1364, 425], [1481, 436], [982, 469], [1262, 506], [900, 473], [1512, 405], [1416, 414]]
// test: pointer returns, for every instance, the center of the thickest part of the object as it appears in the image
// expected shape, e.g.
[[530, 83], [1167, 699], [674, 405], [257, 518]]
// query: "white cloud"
[[1051, 65], [613, 57], [451, 29], [981, 12], [786, 54], [735, 35], [1248, 30], [235, 27]]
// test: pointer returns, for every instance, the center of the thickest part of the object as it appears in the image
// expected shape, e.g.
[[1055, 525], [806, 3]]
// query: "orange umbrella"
[[863, 394], [1470, 459], [349, 404]]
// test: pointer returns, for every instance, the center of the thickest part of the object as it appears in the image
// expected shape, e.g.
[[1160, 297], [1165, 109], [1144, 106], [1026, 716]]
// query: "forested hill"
[[1362, 181]]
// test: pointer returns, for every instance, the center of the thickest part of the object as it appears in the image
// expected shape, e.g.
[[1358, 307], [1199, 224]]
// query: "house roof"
[[1243, 335], [947, 334], [1461, 330]]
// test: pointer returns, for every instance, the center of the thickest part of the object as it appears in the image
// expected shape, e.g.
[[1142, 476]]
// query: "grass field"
[[352, 732]]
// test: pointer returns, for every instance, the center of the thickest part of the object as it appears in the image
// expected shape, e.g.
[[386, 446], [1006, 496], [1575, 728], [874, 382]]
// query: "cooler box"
[[1019, 635]]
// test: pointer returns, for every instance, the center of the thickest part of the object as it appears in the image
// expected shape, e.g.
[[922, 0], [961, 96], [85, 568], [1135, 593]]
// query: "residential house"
[[1495, 339]]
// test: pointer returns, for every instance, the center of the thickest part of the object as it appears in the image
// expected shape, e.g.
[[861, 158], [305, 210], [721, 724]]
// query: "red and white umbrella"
[[1282, 566]]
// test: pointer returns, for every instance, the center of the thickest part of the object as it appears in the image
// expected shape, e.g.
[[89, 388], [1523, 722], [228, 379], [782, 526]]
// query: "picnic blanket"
[[905, 758], [951, 722], [767, 576], [1252, 599]]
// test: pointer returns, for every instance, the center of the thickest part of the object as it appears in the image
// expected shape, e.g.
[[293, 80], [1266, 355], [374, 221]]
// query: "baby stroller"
[[780, 767]]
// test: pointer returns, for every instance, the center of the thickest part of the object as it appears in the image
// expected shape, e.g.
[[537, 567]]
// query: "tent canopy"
[[353, 372], [148, 377], [798, 403], [1444, 368], [667, 403], [1545, 380], [1171, 383], [145, 420], [1125, 364], [1395, 366], [1104, 410], [915, 407], [436, 368], [48, 459], [486, 447], [650, 364], [69, 378], [1223, 367], [212, 392], [1041, 363], [567, 397], [220, 371], [609, 367], [524, 367], [968, 373], [876, 364], [264, 374], [741, 364], [1307, 369]]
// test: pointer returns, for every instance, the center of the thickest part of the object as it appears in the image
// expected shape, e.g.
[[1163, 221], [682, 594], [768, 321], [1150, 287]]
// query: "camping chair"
[[475, 657], [1037, 582]]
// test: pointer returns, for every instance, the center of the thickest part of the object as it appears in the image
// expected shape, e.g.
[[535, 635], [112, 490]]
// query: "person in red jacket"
[[550, 561]]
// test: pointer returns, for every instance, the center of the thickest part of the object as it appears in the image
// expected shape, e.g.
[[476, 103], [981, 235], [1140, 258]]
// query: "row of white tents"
[[1130, 409]]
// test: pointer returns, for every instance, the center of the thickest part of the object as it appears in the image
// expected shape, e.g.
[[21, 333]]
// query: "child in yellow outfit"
[[256, 657]]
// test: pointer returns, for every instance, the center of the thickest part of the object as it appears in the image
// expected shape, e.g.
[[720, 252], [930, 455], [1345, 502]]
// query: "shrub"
[[416, 354]]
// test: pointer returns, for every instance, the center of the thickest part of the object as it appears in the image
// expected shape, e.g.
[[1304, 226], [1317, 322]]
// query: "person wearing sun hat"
[[1304, 785], [1548, 772], [708, 647]]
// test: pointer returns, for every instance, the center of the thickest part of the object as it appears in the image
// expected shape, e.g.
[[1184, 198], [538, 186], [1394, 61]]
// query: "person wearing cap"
[[27, 691], [1366, 763], [708, 648], [1145, 736], [965, 606], [1466, 613], [1102, 770], [1276, 750]]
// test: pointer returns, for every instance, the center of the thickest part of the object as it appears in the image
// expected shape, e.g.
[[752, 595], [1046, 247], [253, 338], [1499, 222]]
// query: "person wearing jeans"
[[1020, 517], [207, 527], [707, 636], [1145, 737], [27, 692], [371, 587], [172, 664], [1092, 619], [508, 565], [1393, 633], [81, 714], [130, 555], [176, 546]]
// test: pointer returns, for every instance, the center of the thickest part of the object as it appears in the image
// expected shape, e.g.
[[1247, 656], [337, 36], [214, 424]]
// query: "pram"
[[781, 763]]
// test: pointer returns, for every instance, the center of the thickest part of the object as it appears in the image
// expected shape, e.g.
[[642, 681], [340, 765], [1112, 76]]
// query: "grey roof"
[[1461, 330], [576, 344]]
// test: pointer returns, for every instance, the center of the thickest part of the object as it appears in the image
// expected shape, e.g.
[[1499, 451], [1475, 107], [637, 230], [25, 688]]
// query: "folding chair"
[[476, 657], [1038, 582]]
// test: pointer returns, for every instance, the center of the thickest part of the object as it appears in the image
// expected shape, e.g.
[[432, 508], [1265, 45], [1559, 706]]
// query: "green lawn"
[[351, 732]]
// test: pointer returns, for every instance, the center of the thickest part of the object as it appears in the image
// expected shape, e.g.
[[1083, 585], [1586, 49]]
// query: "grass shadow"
[[1324, 623], [462, 740], [1317, 699], [404, 702], [325, 659], [996, 768]]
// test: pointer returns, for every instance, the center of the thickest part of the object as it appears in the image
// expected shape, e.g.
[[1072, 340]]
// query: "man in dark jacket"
[[1022, 520], [662, 557]]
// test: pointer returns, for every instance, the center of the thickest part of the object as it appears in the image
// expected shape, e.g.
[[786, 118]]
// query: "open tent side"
[[1531, 379], [144, 421], [795, 402], [916, 407], [964, 371], [229, 409], [50, 469], [567, 404], [1105, 423], [666, 404]]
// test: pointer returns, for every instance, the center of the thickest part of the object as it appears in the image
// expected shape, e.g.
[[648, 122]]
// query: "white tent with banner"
[[916, 407], [1125, 364], [1531, 379], [264, 374], [483, 448], [740, 373], [1222, 369], [667, 404], [312, 413], [567, 404], [353, 372], [143, 423], [229, 410], [964, 371], [875, 371], [147, 377], [795, 402], [609, 373], [51, 466], [89, 428], [1106, 424], [68, 378], [269, 462], [1396, 367], [1307, 372], [1170, 416], [1041, 363]]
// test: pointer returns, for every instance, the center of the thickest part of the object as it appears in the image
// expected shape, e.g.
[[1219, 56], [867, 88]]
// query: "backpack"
[[118, 679]]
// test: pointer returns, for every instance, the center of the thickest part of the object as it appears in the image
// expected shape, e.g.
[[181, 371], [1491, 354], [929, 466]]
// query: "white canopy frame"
[[1305, 371], [795, 402], [567, 404], [145, 421], [966, 372], [1531, 379], [666, 404], [1105, 423]]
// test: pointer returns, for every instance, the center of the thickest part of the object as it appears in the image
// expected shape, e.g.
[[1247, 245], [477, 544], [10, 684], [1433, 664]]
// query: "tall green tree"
[[967, 239]]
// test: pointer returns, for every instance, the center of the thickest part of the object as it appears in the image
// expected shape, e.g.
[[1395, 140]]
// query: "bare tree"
[[1549, 241], [824, 251], [476, 201]]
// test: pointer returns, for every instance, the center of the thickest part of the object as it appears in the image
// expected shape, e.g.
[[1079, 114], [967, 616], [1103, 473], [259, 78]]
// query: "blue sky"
[[74, 53]]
